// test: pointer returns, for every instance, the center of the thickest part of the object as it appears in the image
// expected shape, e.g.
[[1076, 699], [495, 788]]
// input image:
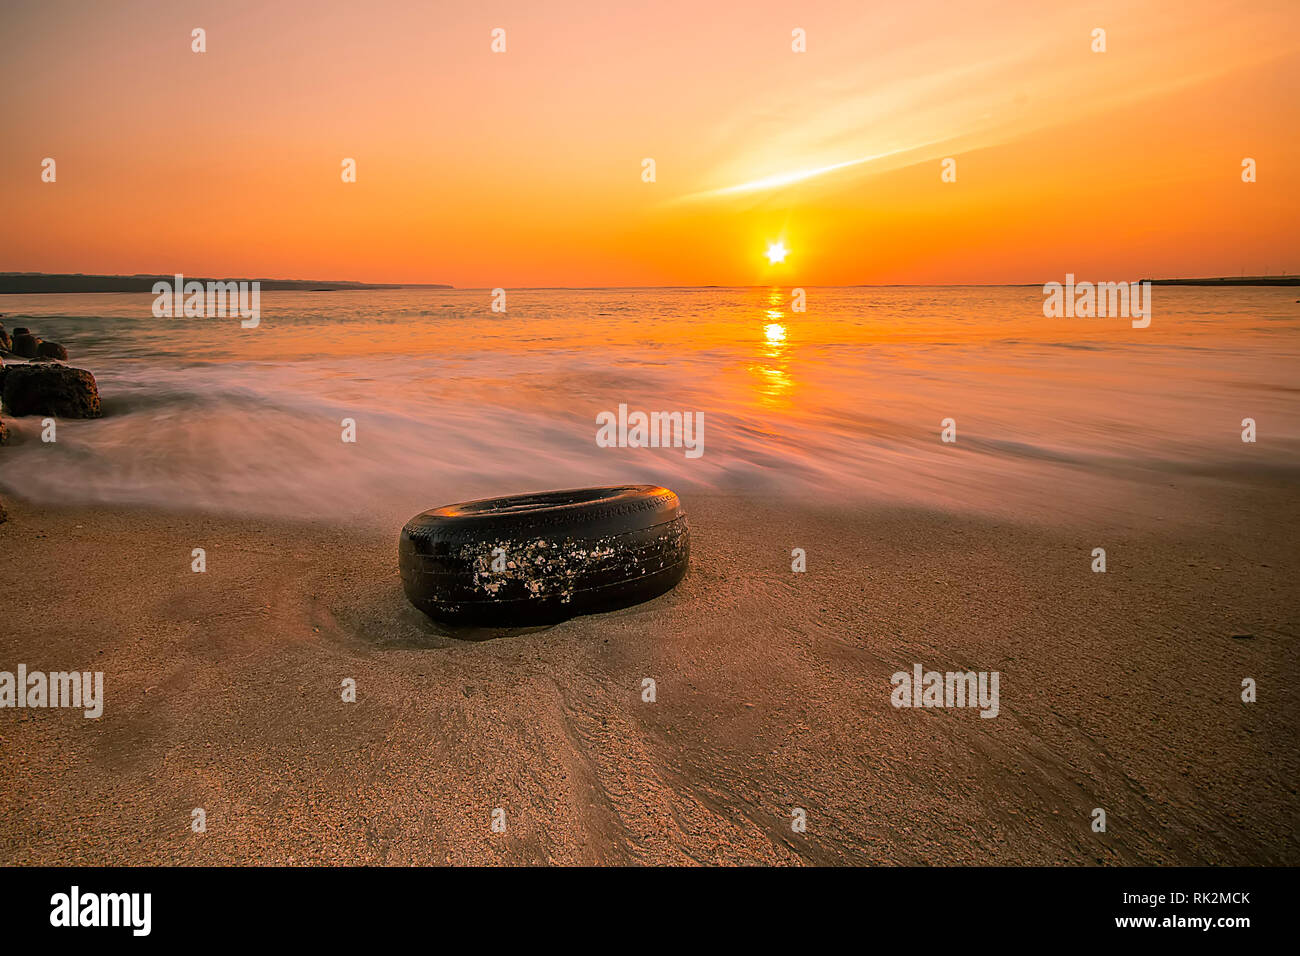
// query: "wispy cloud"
[[777, 180]]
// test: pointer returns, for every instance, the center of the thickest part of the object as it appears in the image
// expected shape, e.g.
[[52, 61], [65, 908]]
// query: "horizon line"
[[357, 285]]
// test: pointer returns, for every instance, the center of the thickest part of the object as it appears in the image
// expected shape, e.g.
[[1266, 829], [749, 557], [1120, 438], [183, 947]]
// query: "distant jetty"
[[29, 283], [1230, 280]]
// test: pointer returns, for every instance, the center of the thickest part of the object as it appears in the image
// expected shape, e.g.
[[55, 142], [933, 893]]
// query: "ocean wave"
[[448, 407]]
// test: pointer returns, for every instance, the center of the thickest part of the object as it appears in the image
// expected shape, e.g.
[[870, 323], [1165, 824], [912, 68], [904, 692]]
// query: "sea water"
[[844, 401]]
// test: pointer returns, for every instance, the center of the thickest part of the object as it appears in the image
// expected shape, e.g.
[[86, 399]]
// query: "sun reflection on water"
[[774, 381]]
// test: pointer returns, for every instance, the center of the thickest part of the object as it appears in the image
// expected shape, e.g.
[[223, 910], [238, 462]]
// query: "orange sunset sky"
[[524, 168]]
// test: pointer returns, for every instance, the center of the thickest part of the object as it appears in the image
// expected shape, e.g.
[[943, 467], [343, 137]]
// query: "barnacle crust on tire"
[[540, 558]]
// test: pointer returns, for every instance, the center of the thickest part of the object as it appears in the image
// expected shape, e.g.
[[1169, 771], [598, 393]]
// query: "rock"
[[6, 344], [22, 330], [52, 350], [4, 432], [4, 515], [48, 389], [26, 344]]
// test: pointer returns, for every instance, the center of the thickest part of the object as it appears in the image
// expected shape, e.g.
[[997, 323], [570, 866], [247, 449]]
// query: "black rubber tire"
[[565, 553]]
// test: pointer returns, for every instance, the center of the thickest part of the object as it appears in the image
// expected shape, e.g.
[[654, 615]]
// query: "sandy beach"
[[1118, 690]]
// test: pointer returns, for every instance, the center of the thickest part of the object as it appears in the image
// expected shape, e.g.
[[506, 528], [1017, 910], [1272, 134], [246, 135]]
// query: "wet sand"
[[1118, 690]]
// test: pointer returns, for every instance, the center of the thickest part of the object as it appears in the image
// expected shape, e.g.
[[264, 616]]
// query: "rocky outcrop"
[[48, 389], [26, 345]]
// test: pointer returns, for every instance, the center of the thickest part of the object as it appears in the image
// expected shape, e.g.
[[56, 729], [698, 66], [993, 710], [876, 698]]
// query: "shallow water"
[[453, 402]]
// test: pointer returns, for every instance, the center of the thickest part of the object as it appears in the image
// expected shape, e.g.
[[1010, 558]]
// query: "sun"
[[776, 252]]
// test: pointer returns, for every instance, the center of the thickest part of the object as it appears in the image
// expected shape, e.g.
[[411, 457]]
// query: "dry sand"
[[1118, 690]]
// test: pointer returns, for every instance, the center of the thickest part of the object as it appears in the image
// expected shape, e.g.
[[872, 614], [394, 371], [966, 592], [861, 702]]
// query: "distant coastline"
[[36, 283], [1230, 280]]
